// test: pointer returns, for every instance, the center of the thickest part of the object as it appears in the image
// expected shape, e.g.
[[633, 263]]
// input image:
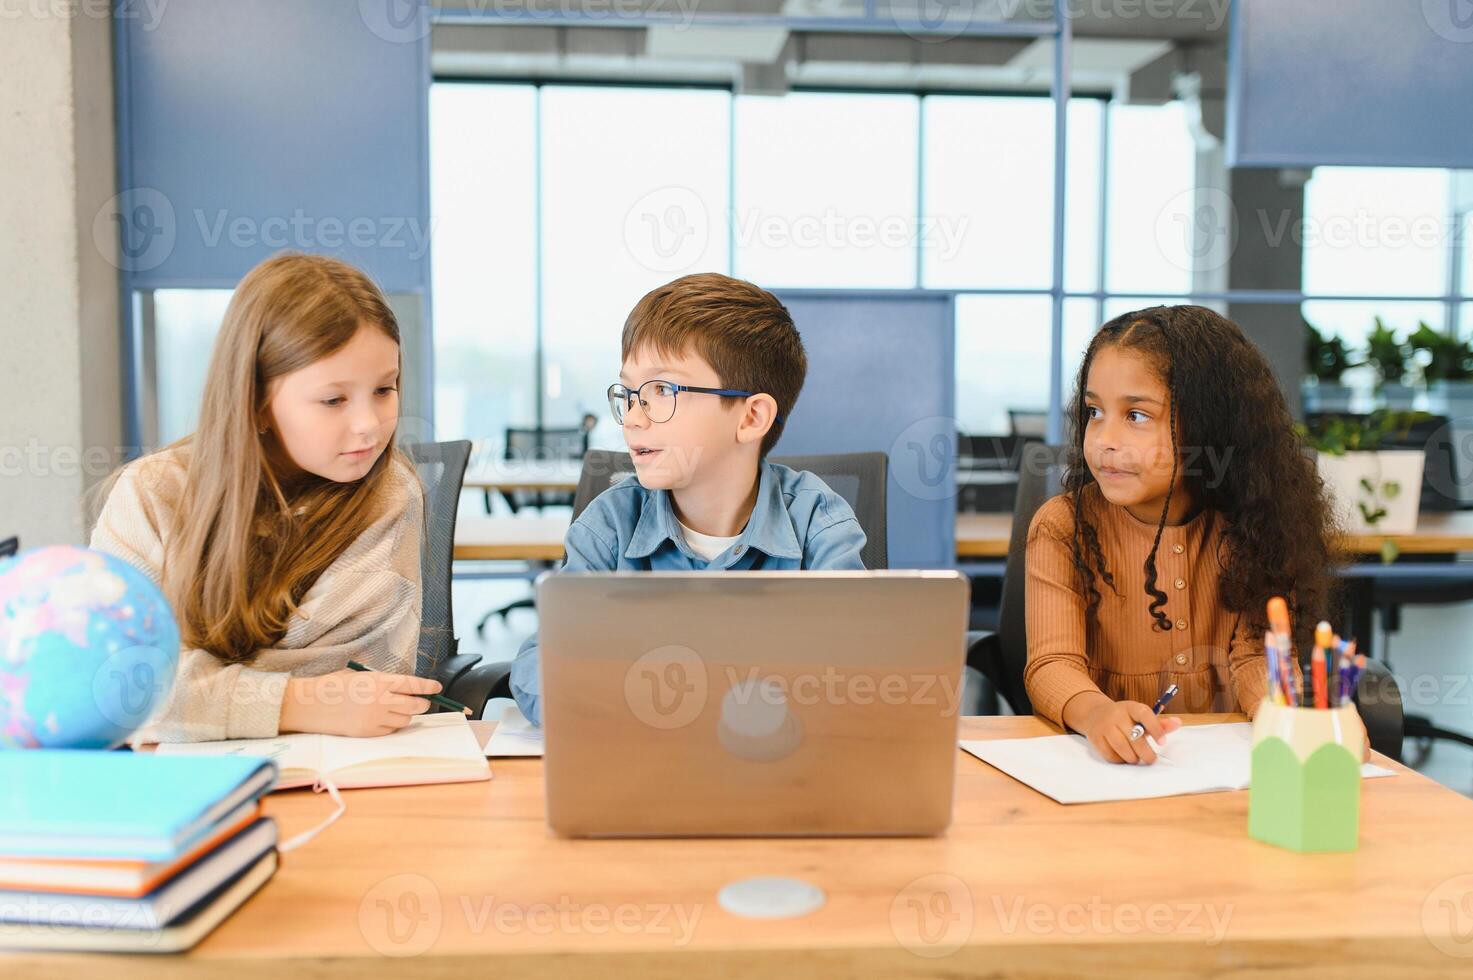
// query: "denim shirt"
[[797, 522]]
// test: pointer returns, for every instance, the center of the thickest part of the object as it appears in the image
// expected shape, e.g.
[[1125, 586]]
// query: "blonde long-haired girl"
[[286, 530]]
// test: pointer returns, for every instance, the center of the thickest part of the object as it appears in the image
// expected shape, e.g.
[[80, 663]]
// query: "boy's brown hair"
[[741, 330]]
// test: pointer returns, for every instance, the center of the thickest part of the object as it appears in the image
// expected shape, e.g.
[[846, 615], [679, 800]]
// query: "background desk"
[[977, 536], [467, 881]]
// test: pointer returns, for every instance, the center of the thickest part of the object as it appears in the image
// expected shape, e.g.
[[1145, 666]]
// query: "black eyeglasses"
[[657, 398]]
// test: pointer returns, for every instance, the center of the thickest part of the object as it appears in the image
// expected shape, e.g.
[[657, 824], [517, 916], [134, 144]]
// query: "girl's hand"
[[351, 702], [1108, 725]]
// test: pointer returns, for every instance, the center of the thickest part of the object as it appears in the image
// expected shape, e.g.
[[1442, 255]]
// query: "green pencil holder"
[[1305, 789]]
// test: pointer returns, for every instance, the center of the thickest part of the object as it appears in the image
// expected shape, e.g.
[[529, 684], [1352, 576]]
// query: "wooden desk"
[[466, 881], [977, 536], [526, 537], [987, 536]]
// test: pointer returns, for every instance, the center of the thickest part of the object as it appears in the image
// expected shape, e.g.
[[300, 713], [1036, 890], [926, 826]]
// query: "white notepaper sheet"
[[514, 736], [1194, 759]]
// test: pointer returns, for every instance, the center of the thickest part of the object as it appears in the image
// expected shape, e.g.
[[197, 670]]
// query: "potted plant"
[[1447, 368], [1374, 490], [1325, 360], [1389, 356]]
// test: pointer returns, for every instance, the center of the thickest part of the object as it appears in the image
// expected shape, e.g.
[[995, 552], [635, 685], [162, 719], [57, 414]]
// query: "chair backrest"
[[441, 468], [860, 478], [9, 547], [533, 444], [1040, 476], [1028, 424]]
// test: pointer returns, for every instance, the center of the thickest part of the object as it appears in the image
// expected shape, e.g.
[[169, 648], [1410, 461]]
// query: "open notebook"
[[439, 748], [1194, 759]]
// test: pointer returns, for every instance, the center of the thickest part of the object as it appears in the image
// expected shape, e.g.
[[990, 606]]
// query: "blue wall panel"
[[248, 127], [1353, 82], [882, 376]]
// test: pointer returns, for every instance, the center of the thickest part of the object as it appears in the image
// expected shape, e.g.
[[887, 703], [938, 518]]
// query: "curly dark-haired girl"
[[1188, 502]]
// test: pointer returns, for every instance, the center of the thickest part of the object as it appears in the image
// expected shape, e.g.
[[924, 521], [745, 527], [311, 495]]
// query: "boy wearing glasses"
[[712, 367]]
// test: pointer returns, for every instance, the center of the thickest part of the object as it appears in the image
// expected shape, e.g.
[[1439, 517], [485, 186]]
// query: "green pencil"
[[439, 699]]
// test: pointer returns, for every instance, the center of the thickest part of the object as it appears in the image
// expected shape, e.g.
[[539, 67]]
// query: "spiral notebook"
[[438, 748]]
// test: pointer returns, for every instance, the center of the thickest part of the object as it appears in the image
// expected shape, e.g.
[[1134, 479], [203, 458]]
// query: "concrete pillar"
[[60, 398]]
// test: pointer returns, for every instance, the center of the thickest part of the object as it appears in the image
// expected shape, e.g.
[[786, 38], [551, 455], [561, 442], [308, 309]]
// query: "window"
[[634, 184], [989, 192], [825, 190], [482, 196]]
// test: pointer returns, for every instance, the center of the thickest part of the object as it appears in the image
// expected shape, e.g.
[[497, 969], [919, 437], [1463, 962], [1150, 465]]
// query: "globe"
[[88, 649]]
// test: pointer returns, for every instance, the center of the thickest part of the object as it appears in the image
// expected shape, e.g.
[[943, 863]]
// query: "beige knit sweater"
[[364, 607]]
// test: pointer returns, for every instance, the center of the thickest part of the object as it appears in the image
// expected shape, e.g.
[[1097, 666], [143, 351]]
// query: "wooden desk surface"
[[466, 880], [987, 536], [525, 537], [537, 538]]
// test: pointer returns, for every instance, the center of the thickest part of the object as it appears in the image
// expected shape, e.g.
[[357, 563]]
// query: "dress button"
[[1181, 624], [1181, 658], [1178, 549], [1181, 583]]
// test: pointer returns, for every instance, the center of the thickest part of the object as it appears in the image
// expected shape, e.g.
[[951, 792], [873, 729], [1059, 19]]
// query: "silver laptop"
[[751, 703]]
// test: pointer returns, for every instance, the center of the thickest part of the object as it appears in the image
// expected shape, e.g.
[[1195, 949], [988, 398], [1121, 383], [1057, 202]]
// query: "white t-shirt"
[[705, 545]]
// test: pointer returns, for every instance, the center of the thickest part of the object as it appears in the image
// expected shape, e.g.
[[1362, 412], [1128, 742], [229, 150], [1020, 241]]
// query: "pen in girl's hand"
[[439, 699], [1138, 730]]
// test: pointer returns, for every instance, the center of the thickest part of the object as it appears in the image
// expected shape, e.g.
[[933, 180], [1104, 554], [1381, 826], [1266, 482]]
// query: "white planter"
[[1395, 480]]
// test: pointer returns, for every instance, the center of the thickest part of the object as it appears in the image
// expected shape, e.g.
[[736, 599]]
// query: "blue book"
[[76, 803]]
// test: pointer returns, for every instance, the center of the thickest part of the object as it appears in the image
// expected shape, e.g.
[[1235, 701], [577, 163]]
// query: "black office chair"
[[9, 547], [1002, 656], [441, 468], [568, 443]]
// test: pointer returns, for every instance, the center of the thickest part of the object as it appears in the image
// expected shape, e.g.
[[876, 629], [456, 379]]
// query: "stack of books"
[[127, 852]]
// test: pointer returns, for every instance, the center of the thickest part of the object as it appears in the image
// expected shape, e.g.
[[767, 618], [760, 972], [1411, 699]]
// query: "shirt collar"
[[769, 529]]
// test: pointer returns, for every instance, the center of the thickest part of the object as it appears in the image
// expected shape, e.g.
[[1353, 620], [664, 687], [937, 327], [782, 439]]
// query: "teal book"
[[76, 803]]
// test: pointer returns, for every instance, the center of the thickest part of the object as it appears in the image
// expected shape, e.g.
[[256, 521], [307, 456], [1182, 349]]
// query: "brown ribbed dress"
[[1209, 653]]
